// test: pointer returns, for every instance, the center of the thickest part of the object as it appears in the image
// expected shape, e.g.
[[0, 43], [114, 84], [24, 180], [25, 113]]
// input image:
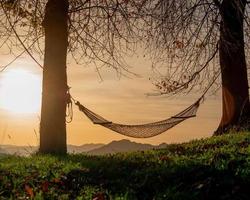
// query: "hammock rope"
[[142, 130]]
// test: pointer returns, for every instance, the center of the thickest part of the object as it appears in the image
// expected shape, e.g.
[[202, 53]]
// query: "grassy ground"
[[215, 168]]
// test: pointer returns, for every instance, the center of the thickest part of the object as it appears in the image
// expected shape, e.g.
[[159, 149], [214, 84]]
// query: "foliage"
[[101, 33], [214, 168], [184, 38]]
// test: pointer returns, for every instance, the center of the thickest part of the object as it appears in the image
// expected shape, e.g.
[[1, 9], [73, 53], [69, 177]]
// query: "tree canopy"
[[100, 32], [184, 39]]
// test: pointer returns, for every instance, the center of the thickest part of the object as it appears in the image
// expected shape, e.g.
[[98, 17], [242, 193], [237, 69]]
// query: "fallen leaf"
[[29, 191], [99, 196], [45, 186]]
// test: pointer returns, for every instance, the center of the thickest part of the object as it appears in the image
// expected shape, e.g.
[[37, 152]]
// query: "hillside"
[[83, 148], [92, 149], [215, 168], [27, 150], [121, 146]]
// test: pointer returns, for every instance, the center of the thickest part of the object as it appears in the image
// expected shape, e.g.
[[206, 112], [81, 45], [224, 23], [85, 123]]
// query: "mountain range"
[[91, 149]]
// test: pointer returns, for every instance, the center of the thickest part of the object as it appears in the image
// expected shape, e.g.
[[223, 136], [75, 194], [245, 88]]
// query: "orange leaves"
[[42, 187], [45, 186], [100, 196], [167, 86], [57, 180], [29, 191], [165, 158], [180, 44]]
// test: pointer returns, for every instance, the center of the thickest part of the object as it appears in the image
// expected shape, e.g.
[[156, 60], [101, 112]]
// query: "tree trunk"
[[233, 67], [53, 112]]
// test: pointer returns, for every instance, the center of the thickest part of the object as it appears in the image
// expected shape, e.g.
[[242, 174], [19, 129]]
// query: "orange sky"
[[119, 100]]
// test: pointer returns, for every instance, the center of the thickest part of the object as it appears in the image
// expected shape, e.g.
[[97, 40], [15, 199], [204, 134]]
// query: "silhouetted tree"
[[198, 41], [97, 32], [54, 97]]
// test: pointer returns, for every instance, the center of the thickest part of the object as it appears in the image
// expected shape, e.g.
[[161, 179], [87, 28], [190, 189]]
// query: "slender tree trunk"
[[53, 112], [233, 67]]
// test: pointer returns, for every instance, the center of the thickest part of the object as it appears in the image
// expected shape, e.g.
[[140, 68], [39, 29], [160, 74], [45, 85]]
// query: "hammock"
[[142, 130]]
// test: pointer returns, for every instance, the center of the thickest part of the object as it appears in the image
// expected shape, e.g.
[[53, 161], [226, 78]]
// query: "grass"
[[214, 168]]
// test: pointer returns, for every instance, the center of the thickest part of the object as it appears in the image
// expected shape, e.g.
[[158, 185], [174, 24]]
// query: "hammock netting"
[[142, 130]]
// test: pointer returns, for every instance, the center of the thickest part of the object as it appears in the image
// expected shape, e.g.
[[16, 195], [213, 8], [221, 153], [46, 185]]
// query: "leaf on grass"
[[99, 196], [29, 191], [57, 180], [45, 186], [164, 158]]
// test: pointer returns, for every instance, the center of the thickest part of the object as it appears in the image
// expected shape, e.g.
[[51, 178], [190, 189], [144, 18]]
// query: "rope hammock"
[[142, 130]]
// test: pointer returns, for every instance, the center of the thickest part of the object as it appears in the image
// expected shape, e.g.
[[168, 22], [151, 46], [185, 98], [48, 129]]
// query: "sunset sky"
[[121, 100]]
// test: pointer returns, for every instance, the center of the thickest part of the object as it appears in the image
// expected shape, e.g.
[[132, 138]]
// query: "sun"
[[20, 91]]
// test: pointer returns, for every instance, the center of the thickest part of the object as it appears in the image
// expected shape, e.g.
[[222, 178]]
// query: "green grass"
[[214, 168]]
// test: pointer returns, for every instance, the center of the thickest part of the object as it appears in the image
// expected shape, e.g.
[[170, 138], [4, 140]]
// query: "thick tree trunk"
[[53, 112], [233, 67]]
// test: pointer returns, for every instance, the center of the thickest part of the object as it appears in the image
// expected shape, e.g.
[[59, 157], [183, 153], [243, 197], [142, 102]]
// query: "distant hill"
[[27, 150], [83, 148], [18, 150], [93, 149], [2, 151], [121, 146], [162, 145]]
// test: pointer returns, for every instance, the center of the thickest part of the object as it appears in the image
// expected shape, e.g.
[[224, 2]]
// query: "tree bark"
[[53, 111], [235, 96]]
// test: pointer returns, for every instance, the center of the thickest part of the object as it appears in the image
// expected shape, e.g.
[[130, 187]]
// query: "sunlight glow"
[[20, 91]]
